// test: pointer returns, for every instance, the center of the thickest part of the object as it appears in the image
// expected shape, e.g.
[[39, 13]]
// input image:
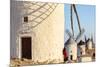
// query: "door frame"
[[20, 45]]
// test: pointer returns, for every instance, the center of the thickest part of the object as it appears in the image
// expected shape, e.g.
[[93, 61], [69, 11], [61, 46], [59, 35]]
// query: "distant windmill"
[[92, 39], [89, 43], [71, 44]]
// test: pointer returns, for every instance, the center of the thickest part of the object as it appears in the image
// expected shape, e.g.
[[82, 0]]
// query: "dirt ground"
[[24, 62]]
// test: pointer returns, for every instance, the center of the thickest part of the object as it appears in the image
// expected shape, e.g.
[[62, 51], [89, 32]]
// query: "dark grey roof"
[[81, 43]]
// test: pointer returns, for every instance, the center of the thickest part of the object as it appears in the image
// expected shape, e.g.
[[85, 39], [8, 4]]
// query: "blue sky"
[[87, 19]]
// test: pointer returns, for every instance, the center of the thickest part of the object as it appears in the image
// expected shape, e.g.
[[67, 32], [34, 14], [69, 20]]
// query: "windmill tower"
[[71, 44], [82, 47], [89, 44], [39, 35]]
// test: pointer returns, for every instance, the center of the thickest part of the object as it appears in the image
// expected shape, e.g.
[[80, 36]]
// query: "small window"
[[26, 19]]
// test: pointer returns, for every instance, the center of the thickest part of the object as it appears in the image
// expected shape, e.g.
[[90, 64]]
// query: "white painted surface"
[[86, 59], [82, 48], [72, 50], [47, 38], [89, 44]]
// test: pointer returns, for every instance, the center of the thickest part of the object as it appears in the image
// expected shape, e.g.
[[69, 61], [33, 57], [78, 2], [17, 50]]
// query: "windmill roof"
[[69, 41], [81, 43]]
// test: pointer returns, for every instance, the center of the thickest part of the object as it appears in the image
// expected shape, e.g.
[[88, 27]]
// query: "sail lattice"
[[37, 12]]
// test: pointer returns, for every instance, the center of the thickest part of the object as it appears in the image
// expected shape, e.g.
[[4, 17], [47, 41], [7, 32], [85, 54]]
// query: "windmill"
[[89, 43], [92, 40], [71, 43]]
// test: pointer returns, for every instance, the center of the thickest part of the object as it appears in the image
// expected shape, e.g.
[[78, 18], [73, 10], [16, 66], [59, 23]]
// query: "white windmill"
[[37, 32], [89, 43], [81, 46], [71, 43]]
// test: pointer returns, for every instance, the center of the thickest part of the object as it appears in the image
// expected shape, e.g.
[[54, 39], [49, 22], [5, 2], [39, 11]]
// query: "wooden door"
[[26, 47]]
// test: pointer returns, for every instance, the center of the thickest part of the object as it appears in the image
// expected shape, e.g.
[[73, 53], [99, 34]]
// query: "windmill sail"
[[81, 31], [79, 35], [77, 17], [69, 34], [71, 16]]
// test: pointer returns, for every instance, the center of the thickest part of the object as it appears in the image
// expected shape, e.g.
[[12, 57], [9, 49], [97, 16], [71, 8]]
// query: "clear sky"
[[87, 19]]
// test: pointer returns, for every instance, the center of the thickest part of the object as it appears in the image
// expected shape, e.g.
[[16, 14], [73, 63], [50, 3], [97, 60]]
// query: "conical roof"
[[69, 41], [81, 43]]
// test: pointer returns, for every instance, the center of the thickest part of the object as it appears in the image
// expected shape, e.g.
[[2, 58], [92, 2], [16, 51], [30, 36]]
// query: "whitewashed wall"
[[47, 38]]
